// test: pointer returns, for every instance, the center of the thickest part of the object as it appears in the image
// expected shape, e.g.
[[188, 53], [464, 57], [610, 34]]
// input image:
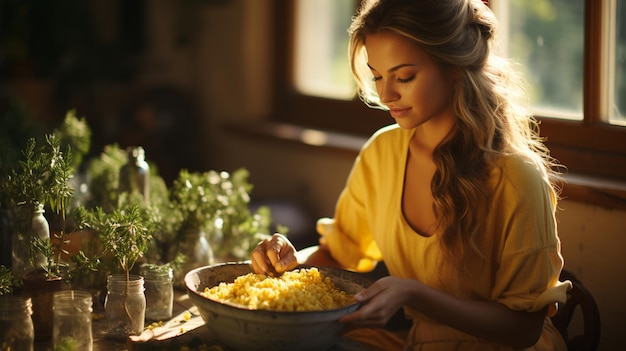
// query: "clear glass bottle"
[[31, 223], [159, 291], [71, 311], [125, 305], [135, 174], [16, 325]]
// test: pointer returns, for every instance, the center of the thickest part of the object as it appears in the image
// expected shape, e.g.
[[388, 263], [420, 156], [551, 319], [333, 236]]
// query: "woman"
[[458, 197]]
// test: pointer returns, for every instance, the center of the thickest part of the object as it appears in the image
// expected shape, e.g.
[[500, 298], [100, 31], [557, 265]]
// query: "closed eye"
[[406, 80]]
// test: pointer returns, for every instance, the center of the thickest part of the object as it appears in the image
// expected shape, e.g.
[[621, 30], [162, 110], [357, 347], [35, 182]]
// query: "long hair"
[[488, 101]]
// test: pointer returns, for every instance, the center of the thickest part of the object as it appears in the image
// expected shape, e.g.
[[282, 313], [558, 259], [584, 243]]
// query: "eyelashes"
[[400, 80], [406, 80]]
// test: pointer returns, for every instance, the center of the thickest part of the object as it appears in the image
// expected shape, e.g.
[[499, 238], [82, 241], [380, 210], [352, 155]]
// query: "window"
[[551, 62], [320, 64], [572, 52]]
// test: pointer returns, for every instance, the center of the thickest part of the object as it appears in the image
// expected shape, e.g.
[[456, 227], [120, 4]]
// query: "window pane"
[[546, 38], [321, 48], [619, 67]]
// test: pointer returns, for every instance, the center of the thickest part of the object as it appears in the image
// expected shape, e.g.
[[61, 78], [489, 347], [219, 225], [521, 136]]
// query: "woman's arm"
[[317, 256], [484, 319]]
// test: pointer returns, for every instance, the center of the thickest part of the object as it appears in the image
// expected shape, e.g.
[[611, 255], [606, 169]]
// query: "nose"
[[387, 92]]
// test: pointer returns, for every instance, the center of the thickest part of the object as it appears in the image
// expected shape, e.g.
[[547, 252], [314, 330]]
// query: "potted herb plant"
[[125, 234], [33, 182]]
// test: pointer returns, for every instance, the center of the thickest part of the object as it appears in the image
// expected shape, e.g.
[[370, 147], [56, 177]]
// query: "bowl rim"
[[353, 306]]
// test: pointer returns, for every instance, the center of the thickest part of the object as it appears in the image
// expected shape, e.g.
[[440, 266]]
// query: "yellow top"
[[521, 247]]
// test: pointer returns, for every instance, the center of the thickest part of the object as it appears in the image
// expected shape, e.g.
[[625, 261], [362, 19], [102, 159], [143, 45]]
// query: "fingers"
[[274, 255], [260, 262], [379, 303]]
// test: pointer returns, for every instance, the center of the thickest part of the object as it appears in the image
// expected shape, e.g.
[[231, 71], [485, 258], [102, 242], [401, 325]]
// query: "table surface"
[[186, 328], [185, 331]]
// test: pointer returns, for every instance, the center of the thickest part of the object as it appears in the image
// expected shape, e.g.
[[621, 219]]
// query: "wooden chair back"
[[578, 297]]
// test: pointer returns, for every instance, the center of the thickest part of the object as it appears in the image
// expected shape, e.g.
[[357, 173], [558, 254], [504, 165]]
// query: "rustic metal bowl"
[[245, 329]]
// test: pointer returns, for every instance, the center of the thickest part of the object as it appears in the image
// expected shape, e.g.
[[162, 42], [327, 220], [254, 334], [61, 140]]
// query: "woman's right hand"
[[274, 255]]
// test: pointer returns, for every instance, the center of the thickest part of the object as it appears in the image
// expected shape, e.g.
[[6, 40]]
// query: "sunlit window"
[[321, 48], [546, 37]]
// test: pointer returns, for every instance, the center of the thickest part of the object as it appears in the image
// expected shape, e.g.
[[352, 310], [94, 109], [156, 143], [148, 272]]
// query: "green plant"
[[103, 181], [76, 134], [218, 203], [103, 177], [8, 282], [41, 178], [74, 270], [124, 233]]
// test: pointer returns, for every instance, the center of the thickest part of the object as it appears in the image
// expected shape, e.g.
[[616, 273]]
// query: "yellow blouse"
[[521, 247]]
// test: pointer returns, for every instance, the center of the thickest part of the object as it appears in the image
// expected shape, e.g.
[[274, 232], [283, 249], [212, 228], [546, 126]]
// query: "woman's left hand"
[[380, 302]]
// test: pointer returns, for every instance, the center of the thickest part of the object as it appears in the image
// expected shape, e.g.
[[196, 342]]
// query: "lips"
[[399, 112]]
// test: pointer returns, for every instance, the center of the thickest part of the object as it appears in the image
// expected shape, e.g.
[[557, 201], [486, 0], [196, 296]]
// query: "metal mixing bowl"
[[245, 329]]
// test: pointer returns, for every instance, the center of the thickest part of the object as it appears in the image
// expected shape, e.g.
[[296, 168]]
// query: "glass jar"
[[159, 291], [71, 312], [16, 326], [125, 305], [30, 223]]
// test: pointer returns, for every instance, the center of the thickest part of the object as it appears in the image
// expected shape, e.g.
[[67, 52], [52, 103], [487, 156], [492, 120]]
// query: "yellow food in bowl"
[[303, 289]]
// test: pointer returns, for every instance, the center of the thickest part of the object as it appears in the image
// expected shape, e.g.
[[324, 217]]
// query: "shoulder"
[[522, 178], [388, 136], [520, 170]]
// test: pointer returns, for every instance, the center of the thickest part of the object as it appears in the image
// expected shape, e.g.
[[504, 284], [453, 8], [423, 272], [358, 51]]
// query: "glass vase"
[[125, 305], [30, 223]]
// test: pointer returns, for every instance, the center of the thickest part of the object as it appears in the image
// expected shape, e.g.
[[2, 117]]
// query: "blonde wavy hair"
[[489, 102]]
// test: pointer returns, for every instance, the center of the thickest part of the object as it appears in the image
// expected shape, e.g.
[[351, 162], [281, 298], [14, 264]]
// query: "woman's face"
[[414, 88]]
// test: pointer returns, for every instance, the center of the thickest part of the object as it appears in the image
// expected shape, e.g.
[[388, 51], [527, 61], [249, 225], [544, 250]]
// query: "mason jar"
[[16, 326], [71, 313], [125, 305], [159, 291]]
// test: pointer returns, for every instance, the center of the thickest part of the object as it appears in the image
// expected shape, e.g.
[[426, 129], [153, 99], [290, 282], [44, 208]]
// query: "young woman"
[[457, 197]]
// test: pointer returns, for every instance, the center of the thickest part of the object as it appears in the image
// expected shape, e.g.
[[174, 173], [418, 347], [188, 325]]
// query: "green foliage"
[[218, 203], [8, 282], [125, 233], [45, 247], [76, 134], [103, 177], [80, 267]]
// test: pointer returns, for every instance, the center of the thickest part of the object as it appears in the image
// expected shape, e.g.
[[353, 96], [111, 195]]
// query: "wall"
[[230, 71]]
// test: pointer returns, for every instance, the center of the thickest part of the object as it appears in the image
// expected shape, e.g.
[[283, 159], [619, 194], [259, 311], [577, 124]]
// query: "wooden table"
[[185, 331], [186, 328]]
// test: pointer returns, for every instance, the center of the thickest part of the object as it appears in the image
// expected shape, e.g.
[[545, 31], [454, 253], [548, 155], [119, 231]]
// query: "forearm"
[[484, 319], [320, 258]]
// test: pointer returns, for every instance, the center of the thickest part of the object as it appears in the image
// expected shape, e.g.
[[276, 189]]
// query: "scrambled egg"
[[297, 290]]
